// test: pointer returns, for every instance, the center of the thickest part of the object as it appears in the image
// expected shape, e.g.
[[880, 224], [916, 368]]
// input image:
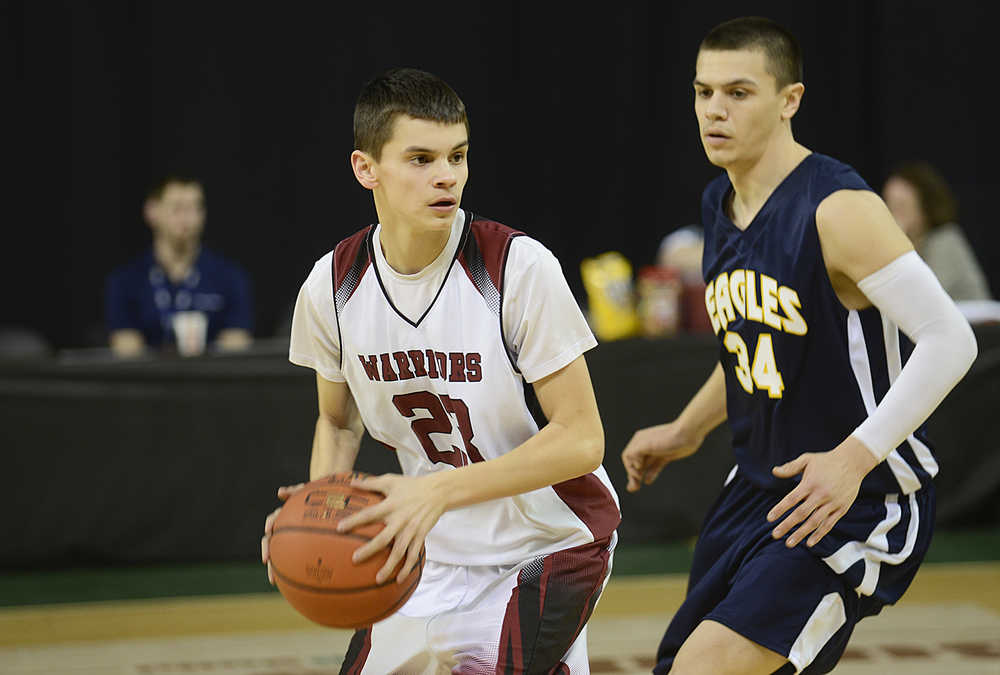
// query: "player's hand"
[[829, 485], [652, 448], [284, 493], [410, 509]]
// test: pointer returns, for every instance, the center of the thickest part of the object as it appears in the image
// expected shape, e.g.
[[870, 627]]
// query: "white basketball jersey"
[[443, 386]]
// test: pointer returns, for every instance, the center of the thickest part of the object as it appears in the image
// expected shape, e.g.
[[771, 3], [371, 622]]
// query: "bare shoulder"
[[858, 234]]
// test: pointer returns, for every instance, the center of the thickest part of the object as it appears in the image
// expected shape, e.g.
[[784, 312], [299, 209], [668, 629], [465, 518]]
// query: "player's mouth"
[[715, 137], [444, 204]]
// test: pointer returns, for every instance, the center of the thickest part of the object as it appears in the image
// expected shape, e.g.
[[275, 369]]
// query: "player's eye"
[[703, 93], [419, 160], [458, 158], [739, 93]]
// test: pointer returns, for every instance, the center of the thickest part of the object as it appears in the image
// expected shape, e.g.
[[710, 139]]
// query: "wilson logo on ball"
[[318, 572]]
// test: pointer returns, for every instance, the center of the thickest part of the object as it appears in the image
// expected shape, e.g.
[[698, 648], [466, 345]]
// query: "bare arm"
[[336, 442], [338, 433], [652, 448]]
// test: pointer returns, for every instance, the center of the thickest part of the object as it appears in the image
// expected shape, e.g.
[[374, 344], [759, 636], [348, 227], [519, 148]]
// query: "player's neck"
[[409, 250], [175, 257], [754, 182]]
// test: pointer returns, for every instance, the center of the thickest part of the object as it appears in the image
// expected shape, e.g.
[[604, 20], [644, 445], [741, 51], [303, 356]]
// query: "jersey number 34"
[[763, 373]]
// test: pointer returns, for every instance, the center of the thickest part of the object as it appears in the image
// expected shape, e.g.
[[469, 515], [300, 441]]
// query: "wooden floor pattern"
[[948, 624]]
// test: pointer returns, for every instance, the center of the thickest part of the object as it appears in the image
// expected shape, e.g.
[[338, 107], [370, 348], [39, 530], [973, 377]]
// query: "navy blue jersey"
[[140, 296], [802, 372]]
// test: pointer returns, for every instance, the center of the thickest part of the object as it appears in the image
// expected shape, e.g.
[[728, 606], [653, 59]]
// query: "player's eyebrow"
[[732, 83], [418, 149]]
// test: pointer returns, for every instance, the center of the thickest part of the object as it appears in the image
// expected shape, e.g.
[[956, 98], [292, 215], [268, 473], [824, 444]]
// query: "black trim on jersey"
[[503, 286], [353, 277], [465, 233], [474, 259]]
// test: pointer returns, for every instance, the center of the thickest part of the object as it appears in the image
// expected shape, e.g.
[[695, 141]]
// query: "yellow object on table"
[[607, 279]]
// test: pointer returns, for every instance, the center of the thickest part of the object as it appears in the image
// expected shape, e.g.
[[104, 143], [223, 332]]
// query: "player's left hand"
[[829, 485], [410, 509]]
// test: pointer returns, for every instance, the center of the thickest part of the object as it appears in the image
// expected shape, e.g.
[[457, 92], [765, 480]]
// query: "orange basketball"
[[312, 561]]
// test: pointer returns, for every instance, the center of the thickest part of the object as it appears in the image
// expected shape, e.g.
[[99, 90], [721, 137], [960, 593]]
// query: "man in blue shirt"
[[177, 275]]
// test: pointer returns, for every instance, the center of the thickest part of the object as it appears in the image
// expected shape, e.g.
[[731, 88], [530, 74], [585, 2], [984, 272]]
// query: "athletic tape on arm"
[[907, 293]]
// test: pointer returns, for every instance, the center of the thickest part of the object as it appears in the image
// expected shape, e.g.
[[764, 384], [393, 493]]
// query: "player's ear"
[[792, 99], [149, 211], [364, 169]]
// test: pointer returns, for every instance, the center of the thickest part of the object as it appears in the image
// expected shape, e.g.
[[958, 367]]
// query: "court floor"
[[949, 623]]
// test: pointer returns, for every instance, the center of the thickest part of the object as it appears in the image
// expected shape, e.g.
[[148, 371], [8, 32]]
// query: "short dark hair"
[[402, 91], [781, 49], [160, 185], [937, 201]]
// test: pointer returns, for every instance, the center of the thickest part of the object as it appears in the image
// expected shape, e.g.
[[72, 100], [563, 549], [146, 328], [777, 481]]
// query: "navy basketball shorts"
[[801, 602]]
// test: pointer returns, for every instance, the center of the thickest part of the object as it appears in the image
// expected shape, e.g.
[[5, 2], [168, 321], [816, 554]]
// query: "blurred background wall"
[[583, 129]]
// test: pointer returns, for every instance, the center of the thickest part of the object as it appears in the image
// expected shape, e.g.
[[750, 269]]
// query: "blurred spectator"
[[178, 283], [926, 209]]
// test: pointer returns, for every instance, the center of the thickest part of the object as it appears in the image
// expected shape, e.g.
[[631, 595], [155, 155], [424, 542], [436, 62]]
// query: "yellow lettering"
[[769, 301], [738, 291], [735, 345], [765, 368], [722, 303], [710, 306], [790, 305], [754, 312]]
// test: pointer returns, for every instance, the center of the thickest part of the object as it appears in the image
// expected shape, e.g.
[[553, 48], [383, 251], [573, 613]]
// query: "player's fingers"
[[270, 573], [362, 517], [815, 519], [789, 500], [633, 469], [792, 468], [265, 554], [412, 558], [269, 521], [286, 491], [653, 472], [414, 550], [371, 547], [798, 515], [392, 563], [825, 527], [372, 483]]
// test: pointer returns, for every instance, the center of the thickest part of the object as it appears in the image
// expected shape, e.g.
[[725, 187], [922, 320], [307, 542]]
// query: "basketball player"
[[815, 295], [423, 330]]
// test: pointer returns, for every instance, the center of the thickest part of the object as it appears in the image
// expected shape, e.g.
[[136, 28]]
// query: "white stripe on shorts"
[[875, 550], [826, 620]]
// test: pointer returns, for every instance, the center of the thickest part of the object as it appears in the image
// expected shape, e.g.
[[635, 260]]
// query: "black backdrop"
[[583, 132]]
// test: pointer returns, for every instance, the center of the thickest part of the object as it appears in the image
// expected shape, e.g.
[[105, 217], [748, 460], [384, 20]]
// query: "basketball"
[[312, 562]]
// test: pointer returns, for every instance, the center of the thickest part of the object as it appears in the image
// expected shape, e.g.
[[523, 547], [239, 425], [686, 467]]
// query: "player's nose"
[[445, 175], [715, 109]]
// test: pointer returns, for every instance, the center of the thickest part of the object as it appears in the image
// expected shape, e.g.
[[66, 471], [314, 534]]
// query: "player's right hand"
[[284, 493], [652, 448]]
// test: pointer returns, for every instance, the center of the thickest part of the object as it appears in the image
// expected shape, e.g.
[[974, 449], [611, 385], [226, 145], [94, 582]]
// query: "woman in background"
[[926, 209]]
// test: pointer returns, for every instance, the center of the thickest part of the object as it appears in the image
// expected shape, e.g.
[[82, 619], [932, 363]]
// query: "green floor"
[[19, 587]]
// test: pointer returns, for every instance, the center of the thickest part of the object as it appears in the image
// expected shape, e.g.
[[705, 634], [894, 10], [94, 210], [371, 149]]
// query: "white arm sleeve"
[[907, 293]]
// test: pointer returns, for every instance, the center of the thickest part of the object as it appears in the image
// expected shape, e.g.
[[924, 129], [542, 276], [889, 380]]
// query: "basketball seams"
[[319, 530], [353, 589]]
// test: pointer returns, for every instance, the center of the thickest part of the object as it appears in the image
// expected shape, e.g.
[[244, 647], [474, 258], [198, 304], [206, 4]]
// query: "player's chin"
[[715, 156], [441, 219]]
